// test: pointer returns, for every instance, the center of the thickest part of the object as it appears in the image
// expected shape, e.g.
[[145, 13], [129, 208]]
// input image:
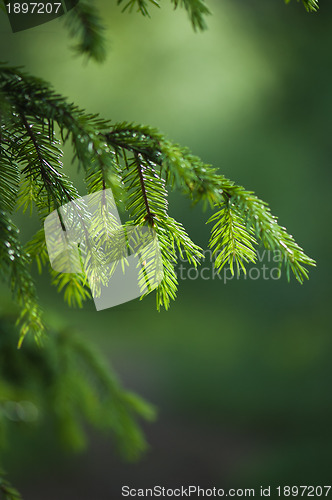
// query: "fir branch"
[[141, 5], [37, 99], [201, 182], [120, 408], [196, 9], [196, 179], [72, 386], [15, 263], [231, 240], [84, 22], [310, 5], [136, 139], [141, 160], [37, 249], [40, 165], [149, 215], [72, 285], [257, 215], [9, 176], [7, 491], [147, 203]]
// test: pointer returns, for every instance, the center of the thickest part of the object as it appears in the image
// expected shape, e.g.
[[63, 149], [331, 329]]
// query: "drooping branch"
[[149, 214], [138, 163]]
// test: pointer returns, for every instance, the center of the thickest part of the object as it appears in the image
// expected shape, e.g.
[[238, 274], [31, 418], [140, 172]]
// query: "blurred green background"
[[240, 372]]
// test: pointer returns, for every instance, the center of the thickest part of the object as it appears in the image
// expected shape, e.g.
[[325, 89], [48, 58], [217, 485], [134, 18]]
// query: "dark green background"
[[241, 372]]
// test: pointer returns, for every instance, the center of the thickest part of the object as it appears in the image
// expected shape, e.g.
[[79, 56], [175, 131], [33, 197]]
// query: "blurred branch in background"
[[310, 5], [7, 492], [69, 383], [84, 21], [85, 24]]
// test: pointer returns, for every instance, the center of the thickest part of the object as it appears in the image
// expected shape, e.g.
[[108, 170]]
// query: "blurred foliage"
[[84, 22], [7, 492], [69, 383], [310, 5], [196, 9]]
